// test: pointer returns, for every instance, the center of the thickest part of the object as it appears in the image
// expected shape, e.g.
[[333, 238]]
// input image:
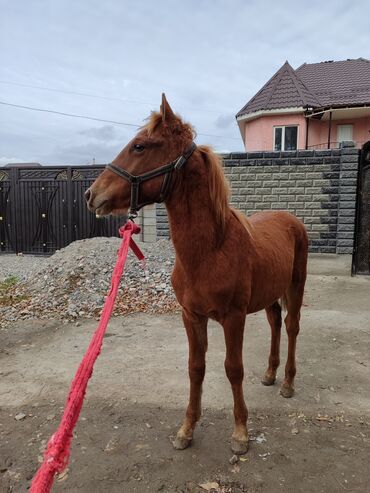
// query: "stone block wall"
[[163, 230], [319, 187]]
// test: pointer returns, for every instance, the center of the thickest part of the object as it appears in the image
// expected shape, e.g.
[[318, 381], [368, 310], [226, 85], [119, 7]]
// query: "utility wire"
[[68, 114], [96, 96], [64, 91], [43, 110]]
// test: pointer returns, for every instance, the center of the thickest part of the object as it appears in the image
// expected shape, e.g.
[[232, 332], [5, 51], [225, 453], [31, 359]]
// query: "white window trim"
[[283, 135]]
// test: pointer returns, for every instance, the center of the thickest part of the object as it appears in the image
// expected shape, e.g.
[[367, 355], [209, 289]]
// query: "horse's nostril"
[[88, 195]]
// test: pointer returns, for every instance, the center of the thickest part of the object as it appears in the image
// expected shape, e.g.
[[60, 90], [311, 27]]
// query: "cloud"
[[225, 121], [106, 133], [88, 153]]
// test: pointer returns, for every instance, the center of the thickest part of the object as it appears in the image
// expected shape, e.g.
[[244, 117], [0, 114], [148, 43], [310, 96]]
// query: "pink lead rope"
[[57, 453]]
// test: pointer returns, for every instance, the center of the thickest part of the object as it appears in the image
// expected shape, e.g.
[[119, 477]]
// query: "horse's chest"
[[206, 293]]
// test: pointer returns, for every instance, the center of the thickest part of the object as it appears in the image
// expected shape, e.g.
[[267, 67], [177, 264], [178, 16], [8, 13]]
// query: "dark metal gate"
[[43, 209], [361, 264]]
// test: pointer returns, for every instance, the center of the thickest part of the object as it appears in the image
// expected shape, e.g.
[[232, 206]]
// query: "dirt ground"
[[318, 441]]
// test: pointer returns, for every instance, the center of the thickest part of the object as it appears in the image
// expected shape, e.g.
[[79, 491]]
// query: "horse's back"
[[281, 217]]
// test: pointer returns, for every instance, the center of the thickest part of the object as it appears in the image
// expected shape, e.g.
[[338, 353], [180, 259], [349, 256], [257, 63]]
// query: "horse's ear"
[[166, 111]]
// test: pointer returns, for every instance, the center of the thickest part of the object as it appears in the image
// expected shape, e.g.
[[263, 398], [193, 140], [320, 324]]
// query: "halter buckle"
[[179, 163], [132, 215]]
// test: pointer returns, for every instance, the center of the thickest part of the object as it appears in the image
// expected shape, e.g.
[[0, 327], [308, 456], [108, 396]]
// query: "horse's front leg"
[[196, 329], [233, 326]]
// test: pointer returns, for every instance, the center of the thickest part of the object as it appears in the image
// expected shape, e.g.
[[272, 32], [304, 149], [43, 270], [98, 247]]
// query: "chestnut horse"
[[227, 265]]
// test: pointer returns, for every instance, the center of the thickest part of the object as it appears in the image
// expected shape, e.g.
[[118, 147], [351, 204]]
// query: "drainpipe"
[[307, 125], [329, 134]]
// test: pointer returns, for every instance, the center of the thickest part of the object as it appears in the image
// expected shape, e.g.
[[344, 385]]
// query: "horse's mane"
[[242, 218], [219, 190]]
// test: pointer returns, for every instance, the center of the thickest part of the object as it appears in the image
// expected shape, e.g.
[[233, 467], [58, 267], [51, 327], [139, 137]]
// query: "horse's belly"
[[270, 284], [256, 305]]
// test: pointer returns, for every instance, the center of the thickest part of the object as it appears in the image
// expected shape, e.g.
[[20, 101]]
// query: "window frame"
[[283, 127]]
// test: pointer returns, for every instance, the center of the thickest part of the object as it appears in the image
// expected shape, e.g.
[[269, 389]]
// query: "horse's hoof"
[[287, 391], [181, 443], [239, 447], [268, 380]]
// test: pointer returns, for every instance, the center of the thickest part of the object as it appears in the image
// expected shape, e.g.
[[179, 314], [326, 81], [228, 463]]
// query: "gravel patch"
[[19, 266], [74, 281]]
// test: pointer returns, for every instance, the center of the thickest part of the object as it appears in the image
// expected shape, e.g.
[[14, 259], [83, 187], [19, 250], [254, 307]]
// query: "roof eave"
[[334, 106], [241, 125], [277, 111]]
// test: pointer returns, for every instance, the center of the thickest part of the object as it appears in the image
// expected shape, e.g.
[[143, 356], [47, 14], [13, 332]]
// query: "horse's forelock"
[[152, 123], [177, 126]]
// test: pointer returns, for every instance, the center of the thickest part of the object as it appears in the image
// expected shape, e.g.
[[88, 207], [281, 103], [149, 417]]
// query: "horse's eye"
[[138, 148]]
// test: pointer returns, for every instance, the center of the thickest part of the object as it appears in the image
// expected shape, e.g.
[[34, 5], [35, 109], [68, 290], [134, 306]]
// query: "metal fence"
[[361, 258], [43, 209]]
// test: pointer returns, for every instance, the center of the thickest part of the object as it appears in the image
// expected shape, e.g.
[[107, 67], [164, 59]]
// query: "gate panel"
[[43, 209], [362, 241], [41, 196], [86, 225], [6, 237]]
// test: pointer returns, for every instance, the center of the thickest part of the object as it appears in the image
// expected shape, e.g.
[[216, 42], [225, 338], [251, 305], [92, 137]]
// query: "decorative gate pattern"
[[43, 209], [362, 244]]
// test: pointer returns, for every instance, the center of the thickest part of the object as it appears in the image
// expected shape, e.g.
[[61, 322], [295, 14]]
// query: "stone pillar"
[[347, 197], [149, 223]]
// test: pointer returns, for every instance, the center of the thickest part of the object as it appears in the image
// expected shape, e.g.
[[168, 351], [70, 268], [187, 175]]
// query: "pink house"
[[316, 106]]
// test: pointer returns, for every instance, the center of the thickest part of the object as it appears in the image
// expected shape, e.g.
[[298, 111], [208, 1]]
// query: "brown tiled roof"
[[338, 83], [316, 85]]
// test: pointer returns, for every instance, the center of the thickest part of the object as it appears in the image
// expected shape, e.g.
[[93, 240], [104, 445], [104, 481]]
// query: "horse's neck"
[[192, 222]]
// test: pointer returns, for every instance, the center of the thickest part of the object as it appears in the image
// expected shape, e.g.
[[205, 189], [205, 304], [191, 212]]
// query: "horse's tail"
[[299, 271]]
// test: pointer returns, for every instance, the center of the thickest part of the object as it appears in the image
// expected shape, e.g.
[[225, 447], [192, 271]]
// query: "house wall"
[[259, 135], [318, 186], [318, 133], [361, 129]]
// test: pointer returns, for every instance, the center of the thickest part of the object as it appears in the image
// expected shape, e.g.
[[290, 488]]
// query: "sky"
[[111, 60]]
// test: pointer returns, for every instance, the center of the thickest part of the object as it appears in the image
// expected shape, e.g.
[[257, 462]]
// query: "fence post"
[[70, 228], [361, 253], [13, 196]]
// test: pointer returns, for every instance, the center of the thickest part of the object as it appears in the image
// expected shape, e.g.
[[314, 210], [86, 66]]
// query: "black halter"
[[135, 180]]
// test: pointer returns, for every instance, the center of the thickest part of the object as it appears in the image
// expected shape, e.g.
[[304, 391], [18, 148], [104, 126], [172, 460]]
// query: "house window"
[[285, 138], [344, 132]]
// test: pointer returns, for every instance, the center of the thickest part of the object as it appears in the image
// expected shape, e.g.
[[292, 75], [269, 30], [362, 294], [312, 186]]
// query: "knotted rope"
[[57, 453]]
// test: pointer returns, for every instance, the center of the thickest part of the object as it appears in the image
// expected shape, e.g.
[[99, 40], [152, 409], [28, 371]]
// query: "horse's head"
[[141, 173]]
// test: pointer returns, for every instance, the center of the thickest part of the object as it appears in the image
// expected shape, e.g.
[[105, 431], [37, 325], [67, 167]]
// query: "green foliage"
[[7, 295], [8, 282]]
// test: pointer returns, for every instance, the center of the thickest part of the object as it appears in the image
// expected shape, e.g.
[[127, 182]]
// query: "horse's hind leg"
[[233, 326], [293, 299], [196, 330], [273, 313]]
